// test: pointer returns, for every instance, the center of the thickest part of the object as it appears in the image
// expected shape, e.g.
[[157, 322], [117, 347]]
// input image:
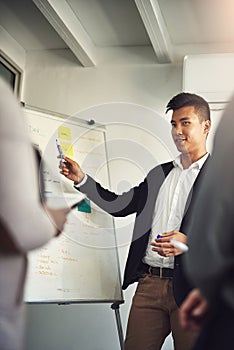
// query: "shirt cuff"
[[82, 182]]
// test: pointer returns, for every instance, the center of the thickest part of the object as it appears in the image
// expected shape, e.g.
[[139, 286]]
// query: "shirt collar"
[[198, 164]]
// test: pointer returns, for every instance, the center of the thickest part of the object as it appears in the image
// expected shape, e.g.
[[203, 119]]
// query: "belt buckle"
[[160, 272]]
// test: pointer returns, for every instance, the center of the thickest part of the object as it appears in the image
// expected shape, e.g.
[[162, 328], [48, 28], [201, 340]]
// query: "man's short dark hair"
[[185, 99]]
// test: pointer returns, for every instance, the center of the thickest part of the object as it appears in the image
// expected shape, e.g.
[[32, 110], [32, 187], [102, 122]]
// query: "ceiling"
[[171, 28]]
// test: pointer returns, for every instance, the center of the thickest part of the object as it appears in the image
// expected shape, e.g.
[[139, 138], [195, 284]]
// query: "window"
[[10, 73]]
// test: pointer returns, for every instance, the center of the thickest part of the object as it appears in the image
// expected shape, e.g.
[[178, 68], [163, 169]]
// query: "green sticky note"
[[85, 206]]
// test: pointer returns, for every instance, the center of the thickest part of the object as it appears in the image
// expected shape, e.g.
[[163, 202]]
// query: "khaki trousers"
[[153, 315]]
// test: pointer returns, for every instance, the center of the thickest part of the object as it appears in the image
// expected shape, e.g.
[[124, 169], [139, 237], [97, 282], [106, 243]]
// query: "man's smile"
[[180, 139]]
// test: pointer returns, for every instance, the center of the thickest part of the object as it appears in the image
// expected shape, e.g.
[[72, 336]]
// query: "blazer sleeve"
[[210, 260], [118, 205], [138, 199], [24, 222]]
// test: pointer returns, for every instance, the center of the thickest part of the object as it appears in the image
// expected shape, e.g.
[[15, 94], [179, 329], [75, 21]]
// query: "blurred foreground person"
[[210, 260], [24, 224]]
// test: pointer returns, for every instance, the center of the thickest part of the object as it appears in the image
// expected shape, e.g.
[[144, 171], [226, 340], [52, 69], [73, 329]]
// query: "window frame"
[[15, 70]]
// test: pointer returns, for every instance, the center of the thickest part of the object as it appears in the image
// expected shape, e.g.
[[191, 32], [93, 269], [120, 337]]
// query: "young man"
[[162, 203]]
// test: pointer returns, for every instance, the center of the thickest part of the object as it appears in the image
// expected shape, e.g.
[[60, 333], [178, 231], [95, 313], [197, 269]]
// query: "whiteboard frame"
[[89, 125]]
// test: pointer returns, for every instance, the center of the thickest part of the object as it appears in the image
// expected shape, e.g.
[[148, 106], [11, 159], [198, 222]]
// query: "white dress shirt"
[[170, 206]]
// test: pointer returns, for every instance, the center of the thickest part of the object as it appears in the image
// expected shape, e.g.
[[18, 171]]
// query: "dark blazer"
[[213, 224], [141, 200]]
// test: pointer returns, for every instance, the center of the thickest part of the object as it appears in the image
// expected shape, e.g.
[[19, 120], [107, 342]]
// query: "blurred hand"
[[71, 170], [194, 310], [164, 247], [59, 217]]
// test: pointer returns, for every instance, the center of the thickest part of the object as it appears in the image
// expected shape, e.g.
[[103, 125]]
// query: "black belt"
[[162, 272]]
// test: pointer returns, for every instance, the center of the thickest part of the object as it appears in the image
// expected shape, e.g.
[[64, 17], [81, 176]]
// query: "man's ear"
[[207, 125]]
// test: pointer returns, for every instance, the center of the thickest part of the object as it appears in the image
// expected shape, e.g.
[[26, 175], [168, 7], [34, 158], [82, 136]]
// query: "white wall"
[[55, 82]]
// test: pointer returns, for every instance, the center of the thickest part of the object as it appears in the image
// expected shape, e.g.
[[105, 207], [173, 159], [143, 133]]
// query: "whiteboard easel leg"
[[115, 307]]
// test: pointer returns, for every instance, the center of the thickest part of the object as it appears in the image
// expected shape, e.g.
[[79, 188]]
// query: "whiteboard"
[[82, 264]]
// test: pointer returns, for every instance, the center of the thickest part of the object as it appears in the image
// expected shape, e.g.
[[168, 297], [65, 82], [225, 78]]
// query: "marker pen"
[[179, 245], [60, 151]]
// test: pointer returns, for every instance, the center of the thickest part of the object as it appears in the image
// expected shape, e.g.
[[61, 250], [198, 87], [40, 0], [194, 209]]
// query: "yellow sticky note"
[[67, 148], [64, 133]]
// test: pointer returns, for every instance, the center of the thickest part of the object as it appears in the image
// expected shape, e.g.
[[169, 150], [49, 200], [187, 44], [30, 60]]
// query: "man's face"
[[188, 132]]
